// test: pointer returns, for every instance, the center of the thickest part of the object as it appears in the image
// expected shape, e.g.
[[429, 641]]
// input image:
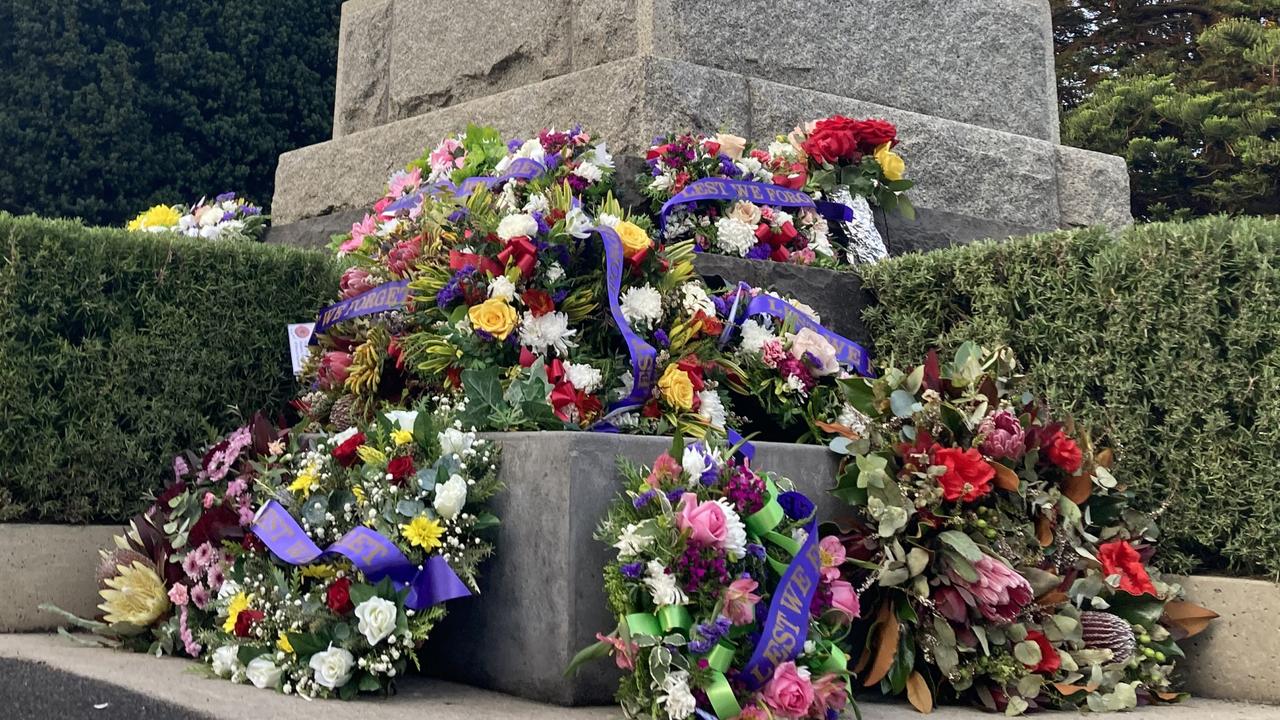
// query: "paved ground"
[[49, 678]]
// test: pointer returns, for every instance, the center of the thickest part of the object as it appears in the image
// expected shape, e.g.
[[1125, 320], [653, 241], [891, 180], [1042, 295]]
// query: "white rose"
[[225, 660], [450, 497], [513, 226], [332, 667], [263, 673], [501, 287], [403, 419], [377, 619], [455, 442], [343, 436]]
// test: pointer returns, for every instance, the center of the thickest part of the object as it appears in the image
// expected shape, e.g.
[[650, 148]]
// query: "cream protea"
[[131, 590]]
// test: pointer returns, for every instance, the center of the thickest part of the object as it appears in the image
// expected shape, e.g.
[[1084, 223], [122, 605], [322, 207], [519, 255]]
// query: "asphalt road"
[[34, 691]]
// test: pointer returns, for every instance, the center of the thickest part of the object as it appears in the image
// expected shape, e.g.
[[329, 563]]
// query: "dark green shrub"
[[119, 349], [1164, 338]]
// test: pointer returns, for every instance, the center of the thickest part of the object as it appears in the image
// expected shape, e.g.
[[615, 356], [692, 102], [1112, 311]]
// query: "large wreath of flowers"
[[999, 558], [702, 539], [226, 217]]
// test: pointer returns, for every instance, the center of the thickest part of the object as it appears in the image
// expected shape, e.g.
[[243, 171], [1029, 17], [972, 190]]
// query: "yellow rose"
[[676, 388], [890, 162], [633, 237], [493, 316]]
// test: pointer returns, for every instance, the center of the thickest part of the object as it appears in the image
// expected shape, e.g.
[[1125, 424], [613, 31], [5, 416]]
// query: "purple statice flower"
[[578, 183], [543, 228], [514, 144], [708, 634], [660, 336], [249, 210], [452, 290], [727, 166], [745, 490], [225, 197], [674, 495], [551, 162], [644, 498], [756, 551], [722, 307], [228, 215], [558, 296], [759, 251], [457, 215], [484, 335], [632, 571]]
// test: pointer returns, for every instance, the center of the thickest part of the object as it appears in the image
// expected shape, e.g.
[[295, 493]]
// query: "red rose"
[[345, 453], [693, 368], [539, 302], [873, 133], [400, 468], [968, 476], [1119, 558], [1063, 452], [833, 139], [246, 620], [338, 596], [1049, 659]]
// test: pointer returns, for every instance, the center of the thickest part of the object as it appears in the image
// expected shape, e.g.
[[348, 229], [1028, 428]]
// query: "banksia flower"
[[1102, 630], [343, 413]]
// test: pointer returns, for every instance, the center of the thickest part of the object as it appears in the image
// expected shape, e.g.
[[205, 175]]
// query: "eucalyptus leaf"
[[962, 544], [903, 404], [1028, 653]]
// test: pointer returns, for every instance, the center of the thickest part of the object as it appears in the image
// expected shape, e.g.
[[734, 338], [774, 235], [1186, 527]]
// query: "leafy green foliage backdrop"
[[110, 106], [118, 350], [1162, 338]]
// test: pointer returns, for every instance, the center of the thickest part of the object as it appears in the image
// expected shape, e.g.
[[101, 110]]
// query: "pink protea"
[[1000, 592], [354, 281], [402, 257], [334, 368], [1003, 435]]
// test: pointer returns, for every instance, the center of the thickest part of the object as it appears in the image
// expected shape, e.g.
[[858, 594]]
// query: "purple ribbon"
[[368, 550], [787, 624], [644, 359], [848, 352], [387, 296], [519, 169], [727, 189]]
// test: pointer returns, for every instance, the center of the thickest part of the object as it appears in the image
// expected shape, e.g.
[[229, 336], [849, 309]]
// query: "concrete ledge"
[[48, 563], [1238, 656]]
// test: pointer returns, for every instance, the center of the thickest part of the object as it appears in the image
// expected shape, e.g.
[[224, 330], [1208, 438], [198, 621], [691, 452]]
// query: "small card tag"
[[299, 348]]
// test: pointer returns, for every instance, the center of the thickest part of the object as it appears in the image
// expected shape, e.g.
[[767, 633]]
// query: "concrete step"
[[47, 675], [972, 181]]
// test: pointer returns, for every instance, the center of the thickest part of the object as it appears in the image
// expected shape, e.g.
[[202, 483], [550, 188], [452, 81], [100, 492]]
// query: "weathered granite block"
[[915, 56], [1235, 656], [362, 95], [543, 599], [993, 183], [1093, 189]]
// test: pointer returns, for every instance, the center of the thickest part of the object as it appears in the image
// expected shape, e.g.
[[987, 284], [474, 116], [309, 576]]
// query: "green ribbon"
[[767, 517], [836, 662], [721, 656], [643, 624], [675, 618], [722, 698]]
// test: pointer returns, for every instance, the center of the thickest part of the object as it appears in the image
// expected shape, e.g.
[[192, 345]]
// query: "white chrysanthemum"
[[783, 150], [584, 377], [547, 332], [642, 305], [520, 225], [695, 461], [754, 336], [608, 220], [663, 589], [734, 236], [537, 202], [795, 385], [630, 542], [694, 298], [661, 182], [735, 537], [532, 148], [676, 698], [578, 225], [752, 168], [501, 287], [589, 172], [711, 408], [554, 271]]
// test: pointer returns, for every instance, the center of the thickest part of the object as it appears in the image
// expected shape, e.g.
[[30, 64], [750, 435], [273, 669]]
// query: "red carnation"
[[400, 468], [345, 453], [539, 302], [968, 476], [1063, 452], [246, 620], [338, 596], [1049, 659], [1119, 558]]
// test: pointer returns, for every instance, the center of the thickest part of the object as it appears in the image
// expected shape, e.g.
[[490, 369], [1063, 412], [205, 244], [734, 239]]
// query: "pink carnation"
[[771, 353], [178, 594]]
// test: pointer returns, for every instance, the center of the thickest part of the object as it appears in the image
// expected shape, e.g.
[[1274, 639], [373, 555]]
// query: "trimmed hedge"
[[1164, 338], [118, 349]]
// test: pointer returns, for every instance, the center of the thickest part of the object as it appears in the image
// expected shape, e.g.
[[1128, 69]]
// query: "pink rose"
[[844, 600], [705, 522], [665, 468], [831, 550], [355, 280], [740, 601], [810, 347], [788, 692], [829, 694]]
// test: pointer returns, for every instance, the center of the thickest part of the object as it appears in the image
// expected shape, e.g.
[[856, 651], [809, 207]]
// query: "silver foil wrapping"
[[862, 240]]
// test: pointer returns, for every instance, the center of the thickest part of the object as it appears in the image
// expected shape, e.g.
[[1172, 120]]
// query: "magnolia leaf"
[[918, 693], [1189, 617], [962, 544], [1044, 531], [1103, 477], [843, 431], [1006, 479], [1104, 458], [886, 640], [1077, 488]]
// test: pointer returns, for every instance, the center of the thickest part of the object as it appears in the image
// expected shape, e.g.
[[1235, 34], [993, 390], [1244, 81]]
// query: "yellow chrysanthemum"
[[371, 456], [423, 532], [283, 644], [402, 437], [301, 485], [158, 216], [319, 571], [136, 595], [358, 492], [239, 603]]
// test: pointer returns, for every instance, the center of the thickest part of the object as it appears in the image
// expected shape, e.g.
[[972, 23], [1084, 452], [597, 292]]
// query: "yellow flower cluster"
[[402, 437], [239, 603], [159, 216], [423, 532]]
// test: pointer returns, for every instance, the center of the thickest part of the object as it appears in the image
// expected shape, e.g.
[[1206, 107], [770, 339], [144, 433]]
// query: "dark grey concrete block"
[[542, 597], [314, 232]]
